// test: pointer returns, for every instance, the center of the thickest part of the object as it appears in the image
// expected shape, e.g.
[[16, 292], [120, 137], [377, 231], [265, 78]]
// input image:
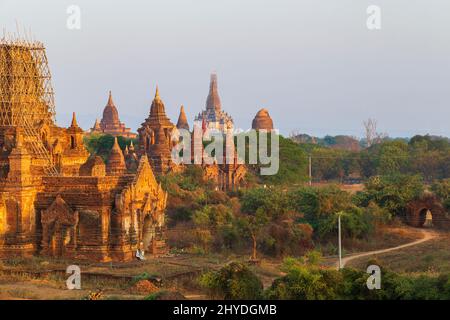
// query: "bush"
[[235, 281], [305, 281]]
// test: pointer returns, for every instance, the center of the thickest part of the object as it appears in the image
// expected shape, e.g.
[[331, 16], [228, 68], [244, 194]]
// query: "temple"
[[110, 123], [262, 121], [155, 141], [213, 117], [155, 136], [56, 199]]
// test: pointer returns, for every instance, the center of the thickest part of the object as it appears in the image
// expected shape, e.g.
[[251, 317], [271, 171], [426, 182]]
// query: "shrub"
[[235, 281]]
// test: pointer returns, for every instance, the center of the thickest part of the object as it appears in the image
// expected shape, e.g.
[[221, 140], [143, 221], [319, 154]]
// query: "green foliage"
[[320, 207], [293, 164], [234, 281], [272, 223], [103, 143], [334, 164], [391, 192], [339, 158], [442, 190], [392, 157], [304, 281], [213, 216], [271, 201], [192, 178]]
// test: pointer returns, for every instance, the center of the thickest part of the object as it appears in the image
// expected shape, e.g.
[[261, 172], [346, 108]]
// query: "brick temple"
[[155, 141], [56, 199], [110, 122]]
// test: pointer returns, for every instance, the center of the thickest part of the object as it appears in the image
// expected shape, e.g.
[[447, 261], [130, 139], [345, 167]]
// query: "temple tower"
[[116, 162], [213, 116], [155, 136], [110, 122]]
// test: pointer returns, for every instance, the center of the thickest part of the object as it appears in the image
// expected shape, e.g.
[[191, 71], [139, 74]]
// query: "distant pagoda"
[[110, 123], [213, 117], [262, 120], [182, 122], [155, 137]]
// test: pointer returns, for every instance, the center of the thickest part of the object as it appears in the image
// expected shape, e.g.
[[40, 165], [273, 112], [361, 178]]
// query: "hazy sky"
[[312, 63]]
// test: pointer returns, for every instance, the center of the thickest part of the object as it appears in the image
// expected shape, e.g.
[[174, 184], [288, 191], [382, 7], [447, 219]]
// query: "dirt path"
[[427, 235]]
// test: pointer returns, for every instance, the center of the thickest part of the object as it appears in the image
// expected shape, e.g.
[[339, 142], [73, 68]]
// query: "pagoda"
[[110, 123]]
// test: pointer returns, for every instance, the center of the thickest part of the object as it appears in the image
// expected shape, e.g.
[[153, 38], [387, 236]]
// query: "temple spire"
[[96, 125], [157, 97], [116, 162], [74, 120], [110, 99], [213, 100], [182, 120], [116, 146]]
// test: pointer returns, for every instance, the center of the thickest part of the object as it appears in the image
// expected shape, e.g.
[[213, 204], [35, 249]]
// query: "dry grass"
[[180, 272], [432, 256]]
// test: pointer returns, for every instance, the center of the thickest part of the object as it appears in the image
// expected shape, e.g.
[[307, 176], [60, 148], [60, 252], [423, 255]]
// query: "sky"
[[313, 64]]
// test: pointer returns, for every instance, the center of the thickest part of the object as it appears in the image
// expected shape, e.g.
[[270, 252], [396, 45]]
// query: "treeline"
[[426, 156]]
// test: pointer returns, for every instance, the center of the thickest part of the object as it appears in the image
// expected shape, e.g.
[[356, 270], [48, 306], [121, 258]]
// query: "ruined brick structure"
[[55, 199], [110, 122], [416, 212]]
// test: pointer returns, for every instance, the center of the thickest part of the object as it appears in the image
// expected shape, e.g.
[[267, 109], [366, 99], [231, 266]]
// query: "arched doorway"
[[59, 240], [423, 216]]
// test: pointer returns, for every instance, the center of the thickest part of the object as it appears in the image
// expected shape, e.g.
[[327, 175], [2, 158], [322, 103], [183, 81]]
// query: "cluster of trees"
[[424, 155], [203, 219], [280, 222], [304, 279]]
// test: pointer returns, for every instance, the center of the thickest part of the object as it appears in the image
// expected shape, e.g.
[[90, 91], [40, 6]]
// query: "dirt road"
[[427, 235]]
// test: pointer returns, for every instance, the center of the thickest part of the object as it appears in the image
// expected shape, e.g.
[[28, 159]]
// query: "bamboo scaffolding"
[[26, 92]]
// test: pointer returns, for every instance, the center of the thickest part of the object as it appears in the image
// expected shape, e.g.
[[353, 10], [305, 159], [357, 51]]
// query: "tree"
[[254, 224], [372, 135], [271, 223], [319, 205], [234, 281], [305, 280], [392, 157], [391, 192], [442, 190]]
